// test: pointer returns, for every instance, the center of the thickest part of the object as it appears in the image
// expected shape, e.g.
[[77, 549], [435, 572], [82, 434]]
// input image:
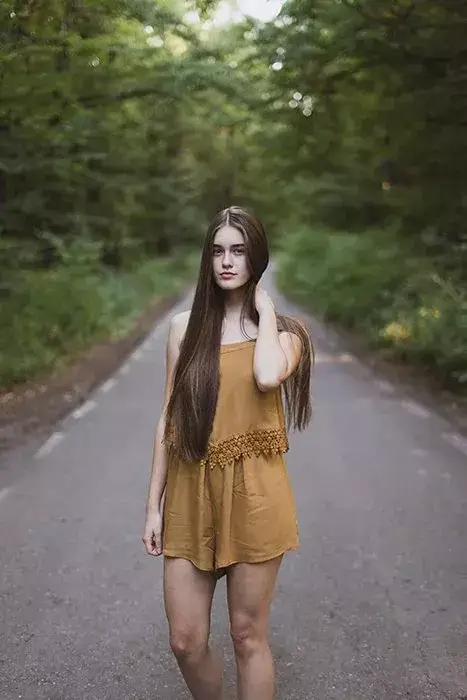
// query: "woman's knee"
[[188, 643], [248, 634], [188, 596]]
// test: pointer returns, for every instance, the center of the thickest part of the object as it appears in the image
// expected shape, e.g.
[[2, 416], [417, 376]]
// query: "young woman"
[[219, 496]]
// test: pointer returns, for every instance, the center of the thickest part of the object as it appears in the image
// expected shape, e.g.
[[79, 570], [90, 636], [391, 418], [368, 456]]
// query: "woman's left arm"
[[276, 354]]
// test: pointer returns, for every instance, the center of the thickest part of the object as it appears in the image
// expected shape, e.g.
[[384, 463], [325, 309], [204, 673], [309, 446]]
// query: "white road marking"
[[4, 493], [124, 369], [324, 357], [415, 409], [49, 444], [109, 384], [85, 408], [343, 358], [385, 386], [456, 441], [347, 357], [419, 452]]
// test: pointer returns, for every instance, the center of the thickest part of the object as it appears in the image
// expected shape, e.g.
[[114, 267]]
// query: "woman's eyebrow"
[[234, 245]]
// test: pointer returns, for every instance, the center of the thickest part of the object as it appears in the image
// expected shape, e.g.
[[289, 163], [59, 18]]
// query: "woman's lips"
[[227, 275]]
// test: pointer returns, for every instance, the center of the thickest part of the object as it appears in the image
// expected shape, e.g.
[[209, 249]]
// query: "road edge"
[[37, 406]]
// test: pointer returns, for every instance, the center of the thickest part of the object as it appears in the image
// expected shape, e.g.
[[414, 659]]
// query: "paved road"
[[373, 606]]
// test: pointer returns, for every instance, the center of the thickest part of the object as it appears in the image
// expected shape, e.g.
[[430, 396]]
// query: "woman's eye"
[[239, 251], [217, 251]]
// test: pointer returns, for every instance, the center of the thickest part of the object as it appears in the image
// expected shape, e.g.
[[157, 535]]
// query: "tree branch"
[[379, 20]]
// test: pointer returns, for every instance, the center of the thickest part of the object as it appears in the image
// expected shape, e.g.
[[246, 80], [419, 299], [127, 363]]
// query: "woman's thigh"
[[188, 594], [250, 590]]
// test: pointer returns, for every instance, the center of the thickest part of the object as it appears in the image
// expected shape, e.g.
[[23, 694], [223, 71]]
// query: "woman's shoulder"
[[178, 325]]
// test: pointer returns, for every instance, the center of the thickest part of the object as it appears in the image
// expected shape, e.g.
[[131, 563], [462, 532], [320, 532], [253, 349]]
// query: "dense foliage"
[[372, 97], [111, 155], [125, 125], [396, 300], [103, 111]]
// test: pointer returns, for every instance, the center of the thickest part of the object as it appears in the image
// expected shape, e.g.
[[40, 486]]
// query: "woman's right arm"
[[152, 537]]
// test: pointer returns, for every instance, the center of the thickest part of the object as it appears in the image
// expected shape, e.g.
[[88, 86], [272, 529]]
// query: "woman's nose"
[[227, 260]]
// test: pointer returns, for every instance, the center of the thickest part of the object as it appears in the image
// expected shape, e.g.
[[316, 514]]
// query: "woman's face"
[[230, 262]]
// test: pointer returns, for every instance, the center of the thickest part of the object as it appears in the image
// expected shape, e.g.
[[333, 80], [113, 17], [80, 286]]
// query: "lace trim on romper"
[[253, 443]]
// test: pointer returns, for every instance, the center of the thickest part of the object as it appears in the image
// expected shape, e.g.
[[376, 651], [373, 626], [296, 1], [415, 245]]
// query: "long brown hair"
[[192, 404]]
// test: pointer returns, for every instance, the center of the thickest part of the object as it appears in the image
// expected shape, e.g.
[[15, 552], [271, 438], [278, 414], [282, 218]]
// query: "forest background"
[[125, 125]]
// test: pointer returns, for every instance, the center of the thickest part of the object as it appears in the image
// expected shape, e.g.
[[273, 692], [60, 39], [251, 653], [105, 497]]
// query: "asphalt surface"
[[373, 605]]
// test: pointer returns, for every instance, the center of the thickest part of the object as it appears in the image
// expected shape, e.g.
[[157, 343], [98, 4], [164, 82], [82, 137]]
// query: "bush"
[[49, 314], [371, 282]]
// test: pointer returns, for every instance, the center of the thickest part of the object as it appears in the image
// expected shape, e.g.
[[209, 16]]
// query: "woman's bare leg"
[[188, 595], [250, 589]]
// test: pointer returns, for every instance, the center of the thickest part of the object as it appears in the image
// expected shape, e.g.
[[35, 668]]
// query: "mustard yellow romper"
[[236, 505]]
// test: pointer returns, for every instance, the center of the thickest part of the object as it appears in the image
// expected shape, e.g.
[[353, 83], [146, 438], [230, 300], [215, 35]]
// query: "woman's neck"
[[233, 328], [233, 303]]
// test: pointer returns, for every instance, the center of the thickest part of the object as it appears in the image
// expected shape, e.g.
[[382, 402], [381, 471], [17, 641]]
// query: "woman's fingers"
[[153, 542], [152, 537], [148, 543], [157, 542]]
